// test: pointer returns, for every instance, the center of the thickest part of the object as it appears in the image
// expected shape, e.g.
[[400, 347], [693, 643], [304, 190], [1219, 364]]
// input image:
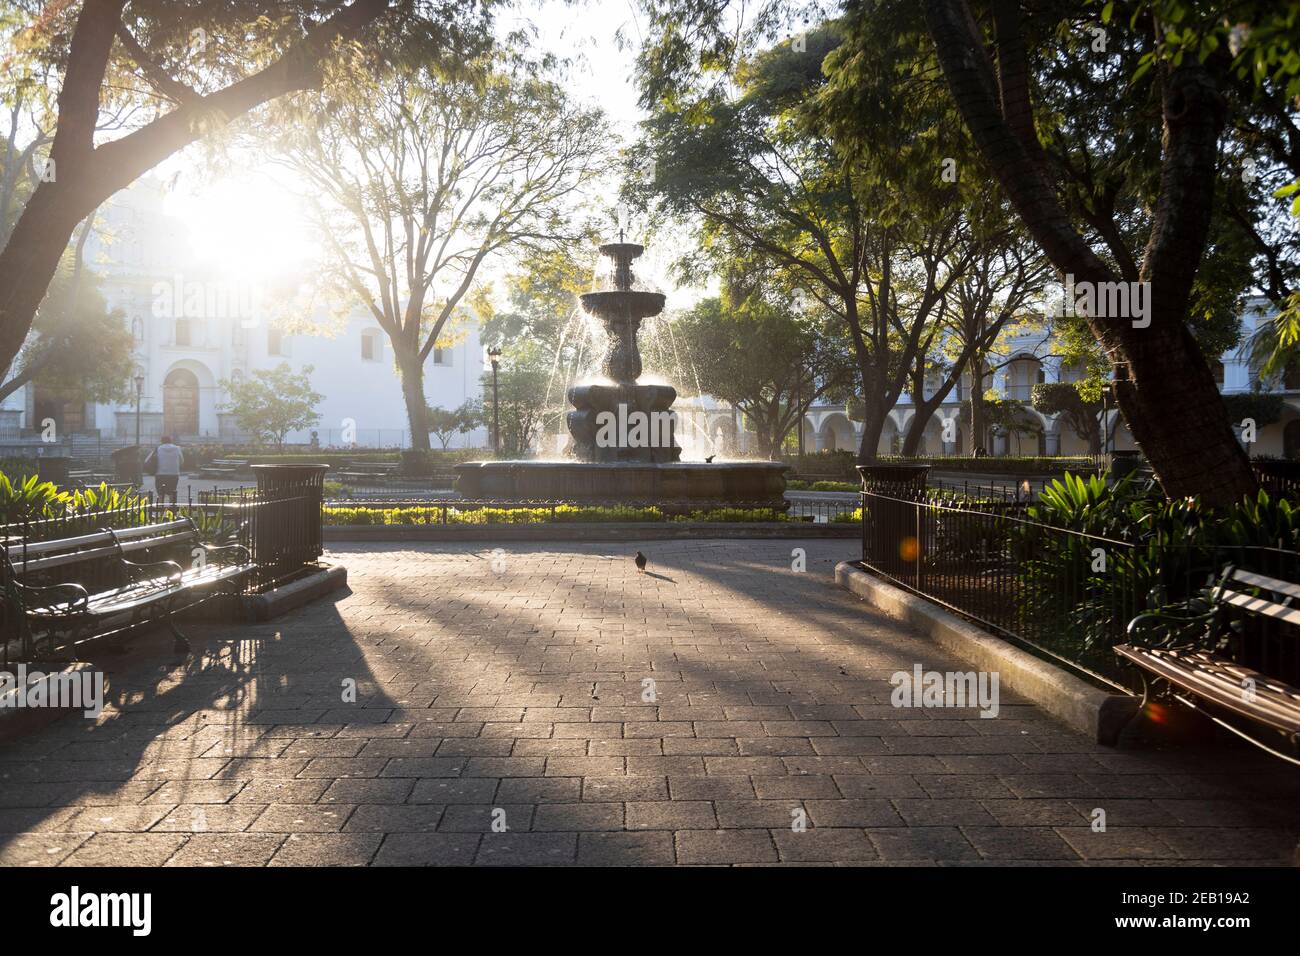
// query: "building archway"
[[181, 403], [1291, 439]]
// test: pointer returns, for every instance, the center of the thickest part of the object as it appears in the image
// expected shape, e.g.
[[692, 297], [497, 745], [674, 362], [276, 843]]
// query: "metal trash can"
[[128, 465]]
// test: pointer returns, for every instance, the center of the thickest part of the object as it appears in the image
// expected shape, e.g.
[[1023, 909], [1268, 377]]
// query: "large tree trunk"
[[1092, 434], [916, 427], [1169, 398], [411, 371], [872, 427]]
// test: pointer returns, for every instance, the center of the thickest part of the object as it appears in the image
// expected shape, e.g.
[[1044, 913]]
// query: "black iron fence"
[[280, 524], [1066, 595]]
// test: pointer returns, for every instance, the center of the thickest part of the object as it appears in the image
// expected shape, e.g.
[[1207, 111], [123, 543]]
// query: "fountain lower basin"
[[754, 483]]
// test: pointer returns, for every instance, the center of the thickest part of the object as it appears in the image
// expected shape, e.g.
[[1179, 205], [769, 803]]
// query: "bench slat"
[[59, 560], [151, 530], [144, 593], [1261, 606], [38, 548], [1218, 681], [1262, 581]]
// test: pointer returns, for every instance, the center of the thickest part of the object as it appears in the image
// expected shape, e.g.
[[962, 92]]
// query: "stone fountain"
[[624, 444]]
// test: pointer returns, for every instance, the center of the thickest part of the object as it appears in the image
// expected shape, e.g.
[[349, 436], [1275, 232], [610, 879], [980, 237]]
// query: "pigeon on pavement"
[[640, 562]]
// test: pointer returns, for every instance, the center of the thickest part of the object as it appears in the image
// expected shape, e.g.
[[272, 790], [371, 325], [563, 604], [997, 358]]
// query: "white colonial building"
[[1028, 361], [192, 330]]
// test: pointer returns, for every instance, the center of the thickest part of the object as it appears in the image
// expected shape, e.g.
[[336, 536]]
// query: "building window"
[[274, 342], [441, 356], [137, 330], [182, 331], [372, 347], [1042, 375], [1217, 369]]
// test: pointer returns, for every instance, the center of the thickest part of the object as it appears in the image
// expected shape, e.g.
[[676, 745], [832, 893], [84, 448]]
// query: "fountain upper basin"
[[623, 304]]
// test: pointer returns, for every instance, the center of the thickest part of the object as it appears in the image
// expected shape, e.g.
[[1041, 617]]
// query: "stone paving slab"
[[545, 704]]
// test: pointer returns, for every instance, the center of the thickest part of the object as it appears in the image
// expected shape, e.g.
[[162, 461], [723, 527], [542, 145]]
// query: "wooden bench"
[[1190, 659], [116, 592]]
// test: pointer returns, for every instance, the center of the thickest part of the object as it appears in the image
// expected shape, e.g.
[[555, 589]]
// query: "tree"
[[190, 69], [1006, 415], [1082, 415], [766, 360], [76, 346], [270, 403], [445, 422], [1000, 279], [766, 185], [1106, 147], [419, 177], [1165, 390], [524, 372]]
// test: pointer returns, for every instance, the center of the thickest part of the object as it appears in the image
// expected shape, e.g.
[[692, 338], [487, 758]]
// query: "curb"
[[1097, 713], [617, 531], [273, 603]]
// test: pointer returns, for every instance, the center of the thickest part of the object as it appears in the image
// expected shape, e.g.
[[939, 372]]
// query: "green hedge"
[[799, 484], [562, 514]]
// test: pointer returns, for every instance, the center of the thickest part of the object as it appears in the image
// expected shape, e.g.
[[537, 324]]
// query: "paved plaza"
[[547, 704]]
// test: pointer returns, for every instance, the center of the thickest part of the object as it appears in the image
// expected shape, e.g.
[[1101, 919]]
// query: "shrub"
[[559, 514]]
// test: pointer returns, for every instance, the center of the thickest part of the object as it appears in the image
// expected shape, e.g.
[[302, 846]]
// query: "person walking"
[[166, 461]]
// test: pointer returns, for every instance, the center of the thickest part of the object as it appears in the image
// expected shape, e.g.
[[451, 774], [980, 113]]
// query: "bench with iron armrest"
[[1190, 657], [142, 590]]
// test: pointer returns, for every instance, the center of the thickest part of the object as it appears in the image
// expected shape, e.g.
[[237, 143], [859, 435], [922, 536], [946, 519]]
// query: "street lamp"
[[139, 389], [494, 356]]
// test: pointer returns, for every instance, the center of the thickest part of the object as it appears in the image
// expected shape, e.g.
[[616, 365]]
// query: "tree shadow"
[[179, 741]]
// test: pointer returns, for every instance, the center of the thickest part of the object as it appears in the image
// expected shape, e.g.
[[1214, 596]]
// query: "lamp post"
[[494, 356], [139, 389], [798, 404]]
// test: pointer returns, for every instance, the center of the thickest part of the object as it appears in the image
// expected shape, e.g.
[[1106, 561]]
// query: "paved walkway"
[[507, 688]]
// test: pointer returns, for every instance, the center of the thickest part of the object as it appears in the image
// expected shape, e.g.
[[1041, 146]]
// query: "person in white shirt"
[[168, 460]]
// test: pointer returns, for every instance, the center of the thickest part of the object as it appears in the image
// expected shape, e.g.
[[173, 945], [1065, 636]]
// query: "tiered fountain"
[[623, 432]]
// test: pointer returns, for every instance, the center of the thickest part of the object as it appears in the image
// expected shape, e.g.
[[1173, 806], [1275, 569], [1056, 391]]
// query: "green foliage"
[[1265, 408], [528, 395], [754, 348], [445, 422], [270, 403], [30, 499], [1067, 398], [1121, 549]]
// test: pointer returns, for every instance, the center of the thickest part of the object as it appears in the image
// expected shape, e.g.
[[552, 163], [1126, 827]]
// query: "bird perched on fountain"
[[709, 460], [640, 562]]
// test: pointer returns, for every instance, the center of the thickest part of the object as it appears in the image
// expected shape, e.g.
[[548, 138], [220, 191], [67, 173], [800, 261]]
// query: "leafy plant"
[[30, 499]]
